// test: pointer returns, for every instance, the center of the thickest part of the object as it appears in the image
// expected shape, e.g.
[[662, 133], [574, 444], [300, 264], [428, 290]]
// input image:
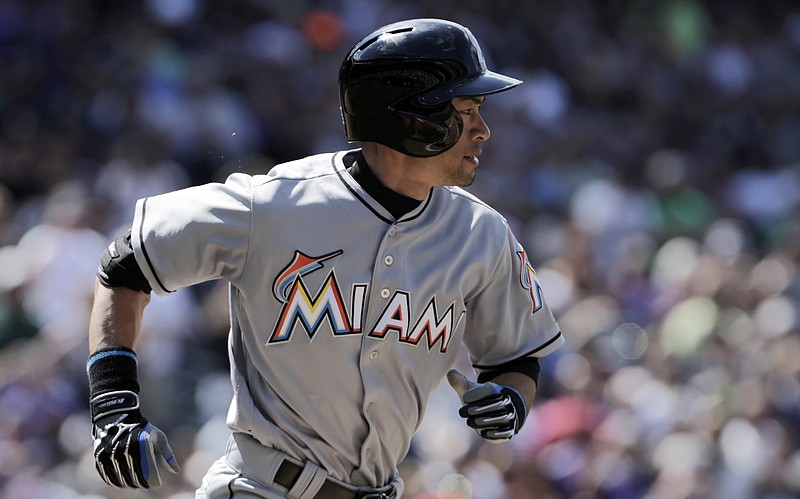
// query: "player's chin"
[[468, 178]]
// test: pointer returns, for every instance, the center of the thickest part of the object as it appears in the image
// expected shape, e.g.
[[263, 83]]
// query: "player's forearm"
[[116, 317], [129, 451], [521, 383]]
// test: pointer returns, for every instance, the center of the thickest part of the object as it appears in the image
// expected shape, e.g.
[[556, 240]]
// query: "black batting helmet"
[[396, 84]]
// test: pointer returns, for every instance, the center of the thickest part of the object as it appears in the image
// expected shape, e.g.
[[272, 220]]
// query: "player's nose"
[[479, 129]]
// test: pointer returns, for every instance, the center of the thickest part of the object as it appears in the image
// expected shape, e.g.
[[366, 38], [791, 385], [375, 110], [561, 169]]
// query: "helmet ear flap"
[[431, 134]]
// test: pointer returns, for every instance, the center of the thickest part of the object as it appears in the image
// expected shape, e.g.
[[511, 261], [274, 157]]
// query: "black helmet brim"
[[485, 84]]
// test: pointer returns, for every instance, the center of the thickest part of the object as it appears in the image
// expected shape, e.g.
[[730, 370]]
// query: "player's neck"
[[393, 170], [397, 204]]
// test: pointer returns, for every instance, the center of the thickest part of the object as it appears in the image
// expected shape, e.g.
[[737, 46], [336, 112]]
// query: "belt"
[[288, 472]]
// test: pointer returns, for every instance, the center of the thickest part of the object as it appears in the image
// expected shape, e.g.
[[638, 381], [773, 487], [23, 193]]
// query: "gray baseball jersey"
[[343, 318]]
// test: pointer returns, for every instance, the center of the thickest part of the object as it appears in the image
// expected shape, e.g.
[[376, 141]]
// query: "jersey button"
[[373, 355], [385, 293], [388, 259], [392, 231]]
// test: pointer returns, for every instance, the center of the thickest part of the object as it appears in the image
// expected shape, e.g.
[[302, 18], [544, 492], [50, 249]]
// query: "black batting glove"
[[128, 450], [495, 412]]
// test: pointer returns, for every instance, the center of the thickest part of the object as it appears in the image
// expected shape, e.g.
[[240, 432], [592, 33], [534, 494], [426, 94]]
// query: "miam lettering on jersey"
[[395, 317], [310, 311]]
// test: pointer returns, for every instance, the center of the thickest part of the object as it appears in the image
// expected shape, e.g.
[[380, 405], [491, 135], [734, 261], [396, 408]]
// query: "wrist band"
[[112, 369]]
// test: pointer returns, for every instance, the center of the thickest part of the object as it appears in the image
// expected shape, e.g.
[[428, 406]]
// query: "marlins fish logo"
[[300, 265]]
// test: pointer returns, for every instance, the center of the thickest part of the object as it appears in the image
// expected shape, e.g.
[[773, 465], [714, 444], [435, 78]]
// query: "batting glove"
[[128, 450], [495, 412]]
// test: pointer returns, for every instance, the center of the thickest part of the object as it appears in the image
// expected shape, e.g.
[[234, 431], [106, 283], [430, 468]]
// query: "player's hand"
[[128, 450], [495, 412]]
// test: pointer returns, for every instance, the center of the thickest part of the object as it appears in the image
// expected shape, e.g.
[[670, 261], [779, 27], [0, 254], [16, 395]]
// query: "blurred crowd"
[[649, 163]]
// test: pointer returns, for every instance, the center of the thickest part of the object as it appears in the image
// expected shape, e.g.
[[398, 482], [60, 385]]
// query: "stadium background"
[[649, 163]]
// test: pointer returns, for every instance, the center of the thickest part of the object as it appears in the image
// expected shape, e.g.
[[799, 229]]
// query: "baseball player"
[[355, 278]]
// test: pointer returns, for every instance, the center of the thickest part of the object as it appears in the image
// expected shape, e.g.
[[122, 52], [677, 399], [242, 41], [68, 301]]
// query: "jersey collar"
[[389, 206]]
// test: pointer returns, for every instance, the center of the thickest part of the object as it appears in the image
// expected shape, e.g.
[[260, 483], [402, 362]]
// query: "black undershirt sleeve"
[[529, 366]]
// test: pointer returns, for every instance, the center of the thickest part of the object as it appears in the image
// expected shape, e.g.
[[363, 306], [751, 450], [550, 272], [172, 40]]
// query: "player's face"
[[457, 165]]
